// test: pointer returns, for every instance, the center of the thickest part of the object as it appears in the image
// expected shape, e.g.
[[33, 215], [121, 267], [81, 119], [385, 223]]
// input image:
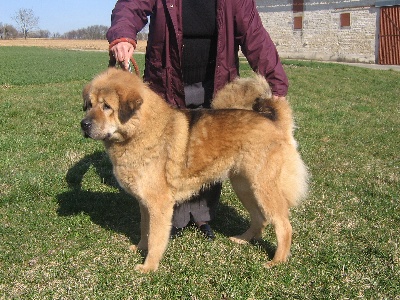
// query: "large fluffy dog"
[[162, 155]]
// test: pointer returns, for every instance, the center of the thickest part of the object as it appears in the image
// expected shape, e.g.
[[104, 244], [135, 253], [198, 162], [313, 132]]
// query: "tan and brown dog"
[[162, 155]]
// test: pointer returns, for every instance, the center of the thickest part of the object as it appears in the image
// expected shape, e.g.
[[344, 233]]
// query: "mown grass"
[[66, 227]]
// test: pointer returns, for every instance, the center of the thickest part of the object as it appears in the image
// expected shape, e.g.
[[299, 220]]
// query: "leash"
[[132, 62]]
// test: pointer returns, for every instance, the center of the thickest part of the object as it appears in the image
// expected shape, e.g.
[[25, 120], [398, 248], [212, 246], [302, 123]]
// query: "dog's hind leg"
[[283, 231], [275, 205], [265, 204], [258, 218]]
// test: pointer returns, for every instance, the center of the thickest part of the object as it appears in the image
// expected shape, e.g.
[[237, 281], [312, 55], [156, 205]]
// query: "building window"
[[345, 20], [297, 23], [298, 6]]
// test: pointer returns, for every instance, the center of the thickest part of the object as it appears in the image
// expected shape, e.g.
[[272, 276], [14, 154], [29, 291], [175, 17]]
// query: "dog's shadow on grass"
[[119, 212], [112, 209]]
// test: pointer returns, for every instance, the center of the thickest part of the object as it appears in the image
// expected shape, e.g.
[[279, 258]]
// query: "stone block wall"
[[322, 37]]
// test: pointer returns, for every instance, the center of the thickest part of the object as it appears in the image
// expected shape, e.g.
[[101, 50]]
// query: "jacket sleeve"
[[128, 18], [257, 46]]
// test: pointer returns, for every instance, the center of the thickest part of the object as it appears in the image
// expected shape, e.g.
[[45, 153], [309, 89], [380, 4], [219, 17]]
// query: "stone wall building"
[[366, 31]]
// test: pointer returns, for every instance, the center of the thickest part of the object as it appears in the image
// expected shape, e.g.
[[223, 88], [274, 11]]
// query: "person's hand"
[[276, 97], [123, 52]]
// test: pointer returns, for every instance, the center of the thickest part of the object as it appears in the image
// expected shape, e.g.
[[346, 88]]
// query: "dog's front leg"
[[160, 216], [144, 229]]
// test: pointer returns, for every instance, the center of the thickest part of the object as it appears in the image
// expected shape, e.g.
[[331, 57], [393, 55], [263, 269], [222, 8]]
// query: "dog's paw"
[[142, 268], [138, 247], [133, 248], [272, 264], [238, 240]]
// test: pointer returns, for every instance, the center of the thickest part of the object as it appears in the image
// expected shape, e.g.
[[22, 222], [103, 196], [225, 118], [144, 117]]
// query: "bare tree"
[[26, 20]]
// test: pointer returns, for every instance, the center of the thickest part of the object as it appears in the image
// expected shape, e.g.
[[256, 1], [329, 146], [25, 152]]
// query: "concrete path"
[[370, 66]]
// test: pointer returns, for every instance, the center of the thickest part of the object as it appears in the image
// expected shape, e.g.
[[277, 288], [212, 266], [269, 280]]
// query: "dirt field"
[[99, 45]]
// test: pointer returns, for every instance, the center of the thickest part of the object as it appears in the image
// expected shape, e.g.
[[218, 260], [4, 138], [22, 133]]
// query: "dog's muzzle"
[[86, 126]]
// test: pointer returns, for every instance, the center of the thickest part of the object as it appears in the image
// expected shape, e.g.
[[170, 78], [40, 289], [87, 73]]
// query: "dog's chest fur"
[[136, 170]]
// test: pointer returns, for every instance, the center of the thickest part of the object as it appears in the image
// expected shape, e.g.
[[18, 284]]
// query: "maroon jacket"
[[238, 22]]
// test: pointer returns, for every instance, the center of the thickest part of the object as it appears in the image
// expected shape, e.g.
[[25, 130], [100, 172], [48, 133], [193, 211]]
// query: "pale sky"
[[60, 16]]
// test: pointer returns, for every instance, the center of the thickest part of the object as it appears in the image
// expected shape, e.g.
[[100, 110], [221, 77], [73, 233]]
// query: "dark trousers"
[[200, 208]]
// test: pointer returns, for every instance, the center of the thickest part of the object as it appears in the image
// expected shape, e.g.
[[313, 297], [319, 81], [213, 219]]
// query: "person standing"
[[192, 52]]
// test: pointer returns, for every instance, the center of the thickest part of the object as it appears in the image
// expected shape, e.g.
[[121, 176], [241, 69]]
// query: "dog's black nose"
[[86, 124]]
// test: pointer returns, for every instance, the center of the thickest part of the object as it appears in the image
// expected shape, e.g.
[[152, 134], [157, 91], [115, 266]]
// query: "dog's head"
[[110, 101]]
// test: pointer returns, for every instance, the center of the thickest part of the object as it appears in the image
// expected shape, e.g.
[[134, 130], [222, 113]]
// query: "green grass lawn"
[[66, 227]]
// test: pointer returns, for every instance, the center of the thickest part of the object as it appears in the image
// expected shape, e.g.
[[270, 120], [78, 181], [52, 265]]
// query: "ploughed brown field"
[[100, 45]]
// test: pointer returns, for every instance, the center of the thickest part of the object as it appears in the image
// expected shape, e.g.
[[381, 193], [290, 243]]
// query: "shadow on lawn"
[[120, 212], [116, 211]]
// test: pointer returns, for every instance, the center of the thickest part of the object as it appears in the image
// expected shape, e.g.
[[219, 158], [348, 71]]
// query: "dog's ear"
[[128, 107], [85, 96]]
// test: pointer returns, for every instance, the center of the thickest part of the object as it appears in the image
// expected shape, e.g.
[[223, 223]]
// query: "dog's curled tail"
[[254, 93]]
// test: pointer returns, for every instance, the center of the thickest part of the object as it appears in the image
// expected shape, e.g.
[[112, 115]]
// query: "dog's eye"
[[106, 106]]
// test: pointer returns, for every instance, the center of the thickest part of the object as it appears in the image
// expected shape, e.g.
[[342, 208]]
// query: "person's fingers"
[[276, 97], [129, 56], [122, 52]]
